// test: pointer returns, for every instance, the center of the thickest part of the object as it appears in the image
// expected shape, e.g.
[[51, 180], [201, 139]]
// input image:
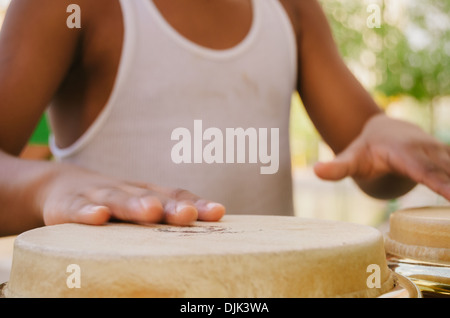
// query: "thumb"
[[342, 166]]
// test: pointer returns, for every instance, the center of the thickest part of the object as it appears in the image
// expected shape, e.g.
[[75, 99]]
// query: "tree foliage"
[[408, 54]]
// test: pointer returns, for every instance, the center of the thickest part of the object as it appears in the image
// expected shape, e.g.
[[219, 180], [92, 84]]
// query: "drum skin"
[[240, 256], [421, 233]]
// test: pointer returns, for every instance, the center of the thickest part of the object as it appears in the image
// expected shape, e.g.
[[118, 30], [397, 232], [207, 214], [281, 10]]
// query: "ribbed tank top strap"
[[128, 46]]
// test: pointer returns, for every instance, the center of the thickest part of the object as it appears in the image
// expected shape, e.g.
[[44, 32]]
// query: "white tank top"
[[169, 89]]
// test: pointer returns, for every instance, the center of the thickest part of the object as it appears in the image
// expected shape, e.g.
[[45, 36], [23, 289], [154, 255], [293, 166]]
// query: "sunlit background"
[[404, 63]]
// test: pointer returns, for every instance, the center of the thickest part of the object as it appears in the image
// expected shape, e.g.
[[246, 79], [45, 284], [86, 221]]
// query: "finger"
[[179, 205], [148, 209], [431, 170], [437, 181], [128, 206], [206, 210], [342, 166], [180, 212], [76, 210], [209, 211], [91, 214]]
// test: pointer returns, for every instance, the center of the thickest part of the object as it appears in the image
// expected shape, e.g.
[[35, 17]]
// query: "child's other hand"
[[74, 195], [391, 147]]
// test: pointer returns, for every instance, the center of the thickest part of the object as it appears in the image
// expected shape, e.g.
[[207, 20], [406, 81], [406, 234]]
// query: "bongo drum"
[[238, 257], [418, 247]]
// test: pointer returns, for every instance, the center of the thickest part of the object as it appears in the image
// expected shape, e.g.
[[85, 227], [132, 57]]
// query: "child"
[[140, 81]]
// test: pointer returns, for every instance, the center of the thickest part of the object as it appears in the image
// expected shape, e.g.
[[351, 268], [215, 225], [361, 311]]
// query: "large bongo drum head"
[[240, 256]]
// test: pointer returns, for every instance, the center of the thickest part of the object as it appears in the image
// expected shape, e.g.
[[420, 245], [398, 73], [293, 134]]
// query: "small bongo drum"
[[239, 257], [418, 247]]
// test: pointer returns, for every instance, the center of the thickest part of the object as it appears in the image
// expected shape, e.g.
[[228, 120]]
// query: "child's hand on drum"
[[76, 195], [389, 149]]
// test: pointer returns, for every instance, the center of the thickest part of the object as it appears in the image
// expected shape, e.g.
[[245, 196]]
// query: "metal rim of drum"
[[430, 288], [404, 288]]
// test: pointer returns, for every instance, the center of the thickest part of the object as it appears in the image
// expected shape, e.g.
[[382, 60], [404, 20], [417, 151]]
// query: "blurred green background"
[[42, 132], [404, 63], [400, 52]]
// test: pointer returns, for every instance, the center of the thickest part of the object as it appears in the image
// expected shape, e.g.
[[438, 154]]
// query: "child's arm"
[[36, 52], [386, 157]]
